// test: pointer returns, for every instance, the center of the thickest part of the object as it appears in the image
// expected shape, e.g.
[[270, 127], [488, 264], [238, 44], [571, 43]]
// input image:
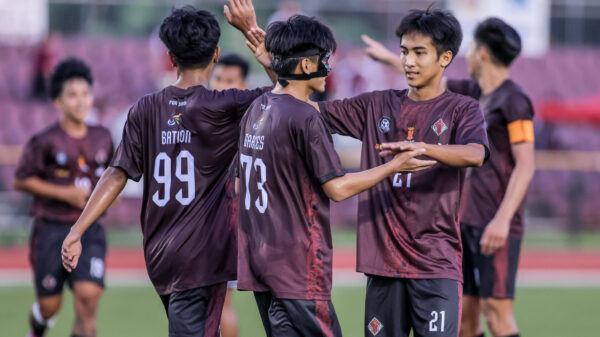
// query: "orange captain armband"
[[521, 131]]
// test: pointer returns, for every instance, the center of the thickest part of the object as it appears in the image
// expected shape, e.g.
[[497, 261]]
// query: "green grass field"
[[137, 311]]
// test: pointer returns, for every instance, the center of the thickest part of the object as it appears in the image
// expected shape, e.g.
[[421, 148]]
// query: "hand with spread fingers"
[[241, 15], [256, 43]]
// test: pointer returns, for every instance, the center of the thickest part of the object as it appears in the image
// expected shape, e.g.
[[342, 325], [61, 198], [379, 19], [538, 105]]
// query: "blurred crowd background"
[[118, 39]]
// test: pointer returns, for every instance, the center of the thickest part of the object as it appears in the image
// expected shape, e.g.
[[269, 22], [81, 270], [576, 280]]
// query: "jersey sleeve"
[[464, 87], [316, 147], [31, 162], [471, 126], [129, 153], [518, 113], [347, 117]]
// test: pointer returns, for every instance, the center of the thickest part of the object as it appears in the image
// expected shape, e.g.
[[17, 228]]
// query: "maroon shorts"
[[489, 276]]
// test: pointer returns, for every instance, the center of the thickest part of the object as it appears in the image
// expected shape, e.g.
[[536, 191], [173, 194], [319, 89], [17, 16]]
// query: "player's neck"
[[73, 128], [298, 89], [427, 92], [491, 78], [192, 77]]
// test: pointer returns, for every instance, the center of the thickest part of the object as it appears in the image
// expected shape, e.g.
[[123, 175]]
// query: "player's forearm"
[[351, 184], [106, 191], [39, 187], [516, 189], [470, 155]]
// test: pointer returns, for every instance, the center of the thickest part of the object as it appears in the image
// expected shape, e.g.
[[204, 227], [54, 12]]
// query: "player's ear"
[[216, 55], [172, 59], [305, 65], [446, 58]]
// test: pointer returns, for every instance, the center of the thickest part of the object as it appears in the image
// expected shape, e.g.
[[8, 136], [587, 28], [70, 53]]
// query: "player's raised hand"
[[494, 236], [256, 43], [241, 15], [71, 251]]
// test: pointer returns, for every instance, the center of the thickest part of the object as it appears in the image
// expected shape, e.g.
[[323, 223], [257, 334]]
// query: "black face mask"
[[323, 69]]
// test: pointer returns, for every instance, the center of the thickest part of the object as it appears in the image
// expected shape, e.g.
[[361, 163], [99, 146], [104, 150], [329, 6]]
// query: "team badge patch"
[[411, 132], [375, 326], [175, 120], [49, 282], [439, 127], [61, 158], [258, 123], [385, 124]]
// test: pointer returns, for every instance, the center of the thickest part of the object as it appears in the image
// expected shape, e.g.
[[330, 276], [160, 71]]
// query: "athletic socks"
[[37, 329]]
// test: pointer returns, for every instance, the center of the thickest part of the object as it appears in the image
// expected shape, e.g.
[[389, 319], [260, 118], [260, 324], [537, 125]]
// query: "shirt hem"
[[414, 275]]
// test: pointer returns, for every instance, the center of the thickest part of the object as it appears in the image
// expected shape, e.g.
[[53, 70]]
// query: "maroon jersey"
[[408, 223], [55, 157], [508, 113], [286, 154], [183, 142]]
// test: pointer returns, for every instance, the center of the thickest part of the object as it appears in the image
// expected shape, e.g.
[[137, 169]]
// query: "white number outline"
[[261, 202], [432, 326], [165, 179]]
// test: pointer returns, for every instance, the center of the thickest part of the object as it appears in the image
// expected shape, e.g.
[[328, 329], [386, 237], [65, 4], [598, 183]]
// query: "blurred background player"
[[59, 167], [409, 242], [288, 171], [182, 139], [492, 211], [230, 73]]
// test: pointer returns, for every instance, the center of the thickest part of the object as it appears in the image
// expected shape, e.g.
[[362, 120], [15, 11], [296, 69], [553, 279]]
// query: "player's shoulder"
[[47, 132], [97, 130], [460, 101], [513, 91]]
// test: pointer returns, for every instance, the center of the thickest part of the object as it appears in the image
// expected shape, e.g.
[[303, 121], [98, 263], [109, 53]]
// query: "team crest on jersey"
[[258, 123], [61, 158], [101, 156], [83, 167], [175, 120], [375, 326], [439, 127], [385, 124], [411, 131]]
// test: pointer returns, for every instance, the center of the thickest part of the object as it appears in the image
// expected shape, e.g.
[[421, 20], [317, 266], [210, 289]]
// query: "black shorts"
[[430, 307], [45, 256], [195, 312], [297, 318], [489, 276]]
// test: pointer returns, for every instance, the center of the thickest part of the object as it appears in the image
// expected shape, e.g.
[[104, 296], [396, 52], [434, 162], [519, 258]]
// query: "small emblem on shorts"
[[375, 326], [175, 120], [96, 267], [385, 124], [49, 282], [439, 127], [61, 158]]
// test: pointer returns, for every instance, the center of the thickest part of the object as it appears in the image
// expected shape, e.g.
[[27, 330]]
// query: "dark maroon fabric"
[[408, 224], [286, 154], [183, 142], [54, 156], [486, 186]]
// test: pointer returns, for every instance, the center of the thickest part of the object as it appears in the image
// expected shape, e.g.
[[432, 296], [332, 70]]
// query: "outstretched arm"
[[107, 190], [469, 155], [378, 52], [351, 184]]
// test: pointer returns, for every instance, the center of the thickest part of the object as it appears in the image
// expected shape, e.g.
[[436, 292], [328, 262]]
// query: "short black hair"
[[299, 33], [235, 60], [191, 35], [440, 25], [67, 70], [502, 40]]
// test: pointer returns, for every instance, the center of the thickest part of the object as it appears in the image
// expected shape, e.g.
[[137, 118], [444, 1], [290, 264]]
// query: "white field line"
[[530, 278]]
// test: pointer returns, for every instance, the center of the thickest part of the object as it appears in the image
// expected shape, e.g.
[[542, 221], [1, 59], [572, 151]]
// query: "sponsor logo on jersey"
[[411, 131], [61, 158], [265, 107], [385, 124], [61, 173], [439, 127], [258, 123], [175, 120], [375, 326], [83, 167], [49, 282]]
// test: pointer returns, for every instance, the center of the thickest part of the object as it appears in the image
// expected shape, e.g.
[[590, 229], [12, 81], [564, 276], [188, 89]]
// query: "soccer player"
[[288, 171], [230, 72], [182, 139], [409, 242], [492, 214], [59, 167]]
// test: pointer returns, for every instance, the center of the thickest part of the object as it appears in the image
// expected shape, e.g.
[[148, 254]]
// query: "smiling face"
[[75, 100], [227, 77], [420, 61]]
